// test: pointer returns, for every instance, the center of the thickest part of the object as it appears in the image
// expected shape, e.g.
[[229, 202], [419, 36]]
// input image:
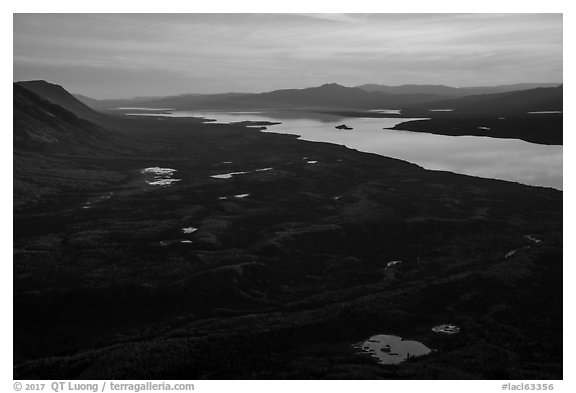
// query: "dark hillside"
[[519, 102], [59, 96], [453, 91], [50, 144], [502, 115]]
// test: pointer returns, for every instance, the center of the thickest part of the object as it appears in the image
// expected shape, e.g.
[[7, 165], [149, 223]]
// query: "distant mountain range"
[[444, 90], [331, 96], [516, 102], [325, 96]]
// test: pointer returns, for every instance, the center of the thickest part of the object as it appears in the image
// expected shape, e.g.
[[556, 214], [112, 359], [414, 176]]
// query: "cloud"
[[257, 52], [346, 18]]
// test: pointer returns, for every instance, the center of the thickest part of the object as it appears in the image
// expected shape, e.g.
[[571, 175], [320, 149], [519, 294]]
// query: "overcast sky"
[[123, 55]]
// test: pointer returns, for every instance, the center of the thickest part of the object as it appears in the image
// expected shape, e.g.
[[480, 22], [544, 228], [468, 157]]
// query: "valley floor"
[[267, 257]]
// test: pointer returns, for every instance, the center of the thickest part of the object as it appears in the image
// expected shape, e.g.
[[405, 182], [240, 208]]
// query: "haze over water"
[[505, 159]]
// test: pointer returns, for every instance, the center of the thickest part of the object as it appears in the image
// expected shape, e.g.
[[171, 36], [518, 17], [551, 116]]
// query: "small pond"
[[388, 349]]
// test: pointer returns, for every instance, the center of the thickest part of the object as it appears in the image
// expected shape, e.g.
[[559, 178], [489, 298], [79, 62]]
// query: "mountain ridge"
[[450, 90], [332, 95], [520, 102], [327, 95], [58, 95]]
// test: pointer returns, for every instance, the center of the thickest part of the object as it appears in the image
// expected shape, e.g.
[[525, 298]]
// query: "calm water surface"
[[506, 159], [388, 349]]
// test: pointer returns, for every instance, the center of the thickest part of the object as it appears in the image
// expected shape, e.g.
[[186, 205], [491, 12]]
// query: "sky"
[[128, 55]]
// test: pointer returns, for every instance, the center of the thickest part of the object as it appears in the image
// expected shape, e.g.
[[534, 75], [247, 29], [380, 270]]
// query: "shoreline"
[[425, 162], [544, 129]]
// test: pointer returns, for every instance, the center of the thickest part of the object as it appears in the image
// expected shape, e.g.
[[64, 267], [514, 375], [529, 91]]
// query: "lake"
[[506, 159]]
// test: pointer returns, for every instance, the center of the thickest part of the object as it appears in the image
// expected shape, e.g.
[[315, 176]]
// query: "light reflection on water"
[[388, 349], [506, 159], [156, 176]]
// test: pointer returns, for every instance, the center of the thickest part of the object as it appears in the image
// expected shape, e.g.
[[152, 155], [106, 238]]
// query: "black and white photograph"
[[287, 196]]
